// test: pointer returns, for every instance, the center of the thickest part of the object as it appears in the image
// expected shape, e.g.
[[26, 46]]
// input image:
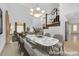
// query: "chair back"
[[48, 34], [59, 37]]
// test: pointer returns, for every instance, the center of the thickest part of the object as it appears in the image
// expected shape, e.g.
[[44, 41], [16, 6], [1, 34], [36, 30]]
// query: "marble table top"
[[45, 41]]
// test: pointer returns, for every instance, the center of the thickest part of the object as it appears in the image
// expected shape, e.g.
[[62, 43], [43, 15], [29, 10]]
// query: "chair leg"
[[19, 50], [63, 49], [25, 53], [59, 51], [51, 51]]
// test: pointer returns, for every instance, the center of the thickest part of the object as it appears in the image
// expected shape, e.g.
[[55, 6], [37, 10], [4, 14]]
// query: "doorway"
[[71, 31]]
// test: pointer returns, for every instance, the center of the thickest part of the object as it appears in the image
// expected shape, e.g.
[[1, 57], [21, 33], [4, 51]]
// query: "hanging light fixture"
[[37, 12]]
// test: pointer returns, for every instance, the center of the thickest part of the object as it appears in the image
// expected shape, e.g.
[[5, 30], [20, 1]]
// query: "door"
[[7, 27]]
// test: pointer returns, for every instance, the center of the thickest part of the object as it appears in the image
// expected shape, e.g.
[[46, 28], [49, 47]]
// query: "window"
[[75, 27], [20, 29]]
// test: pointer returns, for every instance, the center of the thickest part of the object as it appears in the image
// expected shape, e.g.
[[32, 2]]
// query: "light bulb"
[[43, 11], [31, 10], [37, 8], [37, 15]]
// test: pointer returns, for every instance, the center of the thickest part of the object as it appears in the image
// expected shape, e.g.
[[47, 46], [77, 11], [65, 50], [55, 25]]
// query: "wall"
[[2, 36]]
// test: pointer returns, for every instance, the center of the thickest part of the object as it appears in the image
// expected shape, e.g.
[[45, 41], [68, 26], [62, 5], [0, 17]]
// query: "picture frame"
[[52, 22]]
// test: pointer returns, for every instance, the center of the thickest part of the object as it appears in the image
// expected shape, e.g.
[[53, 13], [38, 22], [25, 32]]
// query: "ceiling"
[[71, 11], [24, 8], [73, 15], [46, 6]]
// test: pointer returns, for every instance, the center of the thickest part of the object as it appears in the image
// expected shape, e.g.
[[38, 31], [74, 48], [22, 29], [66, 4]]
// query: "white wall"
[[2, 36]]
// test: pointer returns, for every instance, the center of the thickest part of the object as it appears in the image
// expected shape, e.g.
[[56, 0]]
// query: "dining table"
[[41, 40]]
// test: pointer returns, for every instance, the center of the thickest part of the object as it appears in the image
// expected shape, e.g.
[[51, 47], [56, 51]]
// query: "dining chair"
[[48, 34], [48, 49], [60, 44], [22, 48]]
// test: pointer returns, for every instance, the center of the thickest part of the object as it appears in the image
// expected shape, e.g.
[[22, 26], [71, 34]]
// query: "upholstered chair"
[[60, 44], [48, 34]]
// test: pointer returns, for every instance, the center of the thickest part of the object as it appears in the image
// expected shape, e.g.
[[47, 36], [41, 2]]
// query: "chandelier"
[[37, 12]]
